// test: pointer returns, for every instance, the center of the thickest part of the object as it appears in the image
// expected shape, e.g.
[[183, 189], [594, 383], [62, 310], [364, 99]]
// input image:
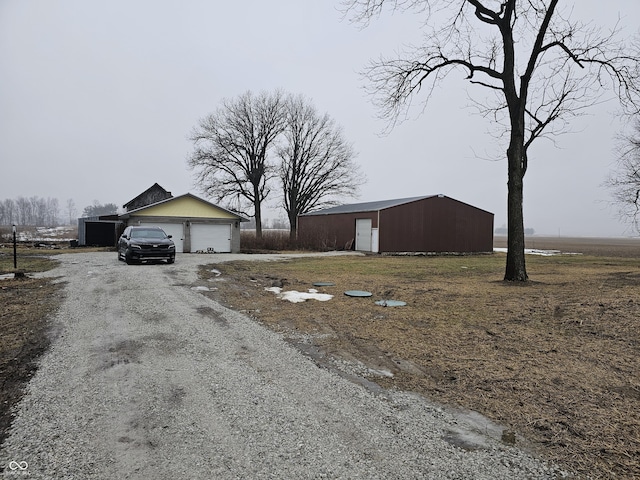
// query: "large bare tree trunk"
[[516, 270], [257, 208], [293, 229], [291, 207], [516, 100]]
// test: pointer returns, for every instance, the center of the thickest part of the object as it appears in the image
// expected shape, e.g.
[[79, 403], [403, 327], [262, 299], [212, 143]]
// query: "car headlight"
[[136, 246], [171, 247]]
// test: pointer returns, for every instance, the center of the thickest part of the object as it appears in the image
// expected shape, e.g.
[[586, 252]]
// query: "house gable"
[[185, 206]]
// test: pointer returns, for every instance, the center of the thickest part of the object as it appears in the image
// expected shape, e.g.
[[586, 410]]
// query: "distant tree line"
[[46, 212], [35, 211]]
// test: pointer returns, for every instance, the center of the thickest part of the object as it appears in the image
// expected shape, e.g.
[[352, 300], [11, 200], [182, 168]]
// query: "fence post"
[[15, 257]]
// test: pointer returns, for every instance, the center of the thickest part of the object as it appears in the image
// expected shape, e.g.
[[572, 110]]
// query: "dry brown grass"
[[26, 305], [556, 359], [25, 308]]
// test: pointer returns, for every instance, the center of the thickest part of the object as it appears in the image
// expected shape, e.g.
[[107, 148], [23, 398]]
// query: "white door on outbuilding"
[[207, 237], [176, 230], [363, 234]]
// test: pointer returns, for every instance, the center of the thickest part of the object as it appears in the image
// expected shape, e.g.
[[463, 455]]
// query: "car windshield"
[[150, 233]]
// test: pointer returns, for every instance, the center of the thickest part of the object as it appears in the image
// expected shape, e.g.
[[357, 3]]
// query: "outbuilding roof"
[[368, 206]]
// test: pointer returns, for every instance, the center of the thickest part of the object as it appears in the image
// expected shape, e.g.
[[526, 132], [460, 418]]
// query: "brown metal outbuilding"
[[429, 224]]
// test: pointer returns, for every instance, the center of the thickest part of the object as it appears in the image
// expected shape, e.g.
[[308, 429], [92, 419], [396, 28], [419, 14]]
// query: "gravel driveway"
[[149, 379]]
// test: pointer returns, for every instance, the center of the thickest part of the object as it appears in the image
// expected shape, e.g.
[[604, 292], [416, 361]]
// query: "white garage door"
[[176, 230], [205, 237]]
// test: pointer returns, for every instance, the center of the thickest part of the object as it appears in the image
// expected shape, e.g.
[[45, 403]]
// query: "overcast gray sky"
[[97, 100]]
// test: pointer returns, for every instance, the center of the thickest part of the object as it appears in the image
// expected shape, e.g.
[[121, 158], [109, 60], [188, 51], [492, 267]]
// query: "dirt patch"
[[554, 361], [25, 308]]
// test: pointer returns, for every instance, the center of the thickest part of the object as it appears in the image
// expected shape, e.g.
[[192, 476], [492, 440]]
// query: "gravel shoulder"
[[149, 379]]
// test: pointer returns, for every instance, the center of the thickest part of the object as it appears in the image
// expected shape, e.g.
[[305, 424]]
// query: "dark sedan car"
[[138, 244]]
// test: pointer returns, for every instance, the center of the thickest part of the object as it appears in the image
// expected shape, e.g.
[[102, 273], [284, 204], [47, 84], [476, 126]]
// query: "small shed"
[[101, 231], [194, 224], [427, 224]]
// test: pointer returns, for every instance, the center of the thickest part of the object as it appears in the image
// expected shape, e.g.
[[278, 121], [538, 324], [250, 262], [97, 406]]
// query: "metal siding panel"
[[442, 236], [82, 232], [402, 228], [331, 231], [436, 224]]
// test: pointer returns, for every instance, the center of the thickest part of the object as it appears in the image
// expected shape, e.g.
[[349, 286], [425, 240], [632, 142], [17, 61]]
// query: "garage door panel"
[[206, 237], [176, 230]]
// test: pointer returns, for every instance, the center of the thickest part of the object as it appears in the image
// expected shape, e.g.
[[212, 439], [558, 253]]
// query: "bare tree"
[[52, 212], [317, 162], [24, 211], [624, 181], [539, 67], [232, 147], [71, 211]]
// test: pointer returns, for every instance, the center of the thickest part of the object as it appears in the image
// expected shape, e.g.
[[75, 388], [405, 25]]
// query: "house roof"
[[367, 206], [155, 186], [180, 198]]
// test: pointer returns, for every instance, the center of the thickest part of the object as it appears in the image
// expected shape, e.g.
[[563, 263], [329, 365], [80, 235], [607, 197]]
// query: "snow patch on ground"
[[535, 251], [203, 289], [46, 234], [294, 296]]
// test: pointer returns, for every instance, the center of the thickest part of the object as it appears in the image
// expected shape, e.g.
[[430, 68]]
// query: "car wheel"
[[171, 259], [119, 255]]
